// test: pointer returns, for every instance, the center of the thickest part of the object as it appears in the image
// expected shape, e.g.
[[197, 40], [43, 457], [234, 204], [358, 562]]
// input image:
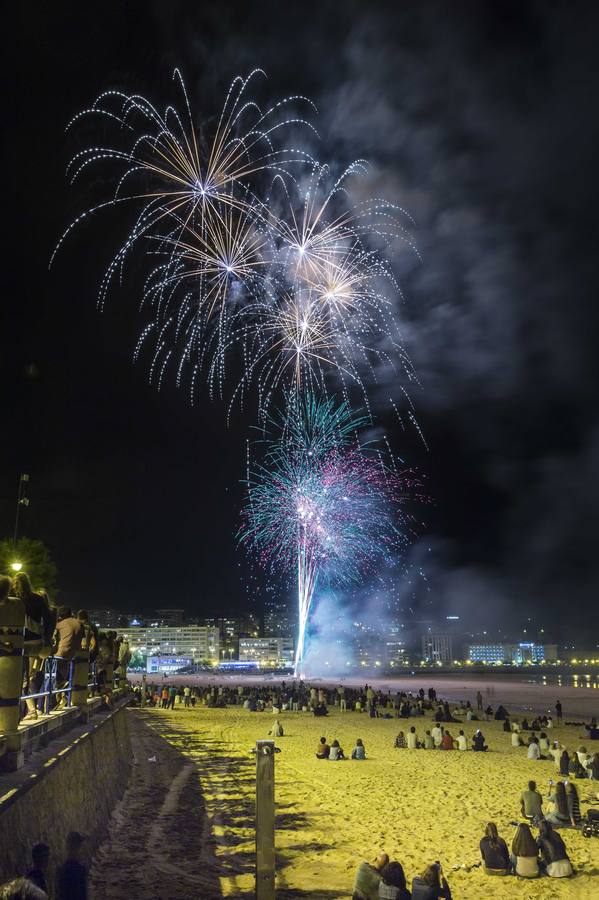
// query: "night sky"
[[480, 119]]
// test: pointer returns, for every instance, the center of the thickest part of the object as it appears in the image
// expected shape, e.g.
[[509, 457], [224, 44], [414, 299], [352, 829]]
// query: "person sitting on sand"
[[462, 742], [429, 741], [554, 857], [549, 723], [531, 803], [320, 710], [447, 741], [336, 752], [507, 726], [533, 751], [478, 742], [276, 730], [368, 877], [573, 804], [400, 741], [564, 763], [594, 767], [412, 739], [501, 713], [431, 884], [516, 739], [437, 733], [536, 725], [494, 851], [322, 750], [392, 885], [359, 751], [524, 725], [544, 743], [525, 853], [558, 813]]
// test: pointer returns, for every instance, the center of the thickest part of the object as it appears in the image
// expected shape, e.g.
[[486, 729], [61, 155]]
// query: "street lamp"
[[21, 501], [16, 566]]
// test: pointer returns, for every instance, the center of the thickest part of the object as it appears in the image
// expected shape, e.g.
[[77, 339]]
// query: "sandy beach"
[[191, 809]]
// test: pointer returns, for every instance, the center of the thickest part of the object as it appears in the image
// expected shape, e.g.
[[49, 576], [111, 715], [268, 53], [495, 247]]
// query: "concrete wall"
[[72, 785]]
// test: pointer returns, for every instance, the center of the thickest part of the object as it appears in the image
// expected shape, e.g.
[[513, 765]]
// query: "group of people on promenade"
[[55, 633]]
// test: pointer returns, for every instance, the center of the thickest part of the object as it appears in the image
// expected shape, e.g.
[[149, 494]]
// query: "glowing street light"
[[16, 566]]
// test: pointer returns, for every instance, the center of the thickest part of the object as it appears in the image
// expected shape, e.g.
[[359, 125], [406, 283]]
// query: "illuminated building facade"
[[197, 642], [267, 651]]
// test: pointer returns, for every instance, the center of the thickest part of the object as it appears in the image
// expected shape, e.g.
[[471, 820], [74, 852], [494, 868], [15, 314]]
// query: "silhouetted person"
[[40, 856], [71, 876]]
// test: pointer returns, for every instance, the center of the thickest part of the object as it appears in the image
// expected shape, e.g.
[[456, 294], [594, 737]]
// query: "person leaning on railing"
[[69, 635], [36, 613]]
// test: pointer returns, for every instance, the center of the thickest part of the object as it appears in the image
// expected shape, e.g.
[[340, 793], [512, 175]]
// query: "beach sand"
[[418, 806]]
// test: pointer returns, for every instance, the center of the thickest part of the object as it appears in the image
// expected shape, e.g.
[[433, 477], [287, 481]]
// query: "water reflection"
[[577, 680]]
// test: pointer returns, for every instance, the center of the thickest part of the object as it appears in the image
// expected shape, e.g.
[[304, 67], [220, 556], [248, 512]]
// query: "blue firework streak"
[[320, 505]]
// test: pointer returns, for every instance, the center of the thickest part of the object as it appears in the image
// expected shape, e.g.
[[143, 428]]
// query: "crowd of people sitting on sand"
[[55, 634], [299, 696], [528, 857]]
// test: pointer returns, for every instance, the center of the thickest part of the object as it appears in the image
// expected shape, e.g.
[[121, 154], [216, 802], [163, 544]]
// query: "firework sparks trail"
[[320, 505], [288, 277]]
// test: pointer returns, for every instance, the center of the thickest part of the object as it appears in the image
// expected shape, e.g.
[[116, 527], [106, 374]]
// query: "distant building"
[[437, 647], [108, 619], [172, 617], [231, 629], [166, 664], [279, 617], [194, 641], [515, 653], [267, 651]]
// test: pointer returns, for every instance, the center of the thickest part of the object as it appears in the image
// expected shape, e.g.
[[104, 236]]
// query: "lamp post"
[[21, 501]]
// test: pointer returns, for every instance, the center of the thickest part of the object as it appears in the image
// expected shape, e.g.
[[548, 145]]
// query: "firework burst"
[[320, 505]]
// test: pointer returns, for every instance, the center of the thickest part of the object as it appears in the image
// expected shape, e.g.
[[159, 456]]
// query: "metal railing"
[[51, 686]]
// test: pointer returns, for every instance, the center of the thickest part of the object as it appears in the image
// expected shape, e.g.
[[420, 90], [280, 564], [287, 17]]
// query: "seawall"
[[72, 784]]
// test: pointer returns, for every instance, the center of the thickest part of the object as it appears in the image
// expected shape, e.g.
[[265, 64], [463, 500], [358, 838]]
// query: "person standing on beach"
[[368, 877], [558, 712], [479, 700]]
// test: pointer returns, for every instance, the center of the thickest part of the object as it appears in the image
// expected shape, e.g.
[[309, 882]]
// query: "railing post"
[[265, 820], [79, 688], [12, 622], [109, 677]]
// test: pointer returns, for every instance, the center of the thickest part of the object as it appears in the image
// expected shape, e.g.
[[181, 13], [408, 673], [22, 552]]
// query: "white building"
[[437, 647], [194, 641], [267, 651], [166, 665], [523, 652]]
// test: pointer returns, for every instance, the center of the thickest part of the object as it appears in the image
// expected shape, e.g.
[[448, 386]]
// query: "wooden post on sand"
[[265, 820]]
